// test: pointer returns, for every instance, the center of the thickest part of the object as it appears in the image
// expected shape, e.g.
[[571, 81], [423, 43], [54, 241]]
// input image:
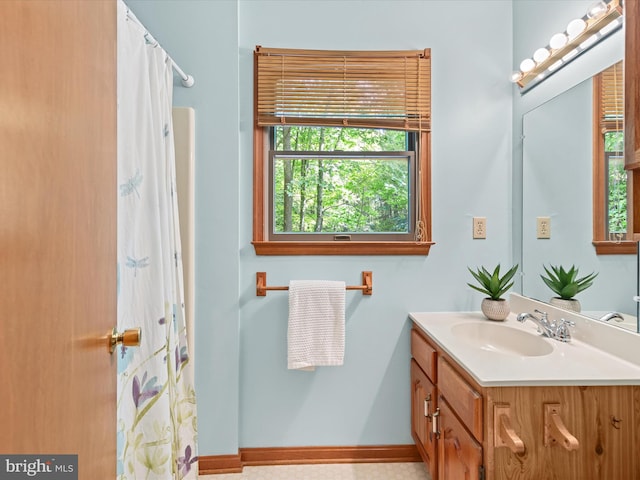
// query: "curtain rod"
[[187, 80]]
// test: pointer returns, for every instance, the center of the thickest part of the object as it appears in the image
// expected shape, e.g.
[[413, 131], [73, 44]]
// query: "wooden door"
[[459, 455], [58, 230], [423, 403]]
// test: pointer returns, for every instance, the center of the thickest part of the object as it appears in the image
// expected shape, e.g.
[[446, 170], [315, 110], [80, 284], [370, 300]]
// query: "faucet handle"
[[562, 331], [570, 323]]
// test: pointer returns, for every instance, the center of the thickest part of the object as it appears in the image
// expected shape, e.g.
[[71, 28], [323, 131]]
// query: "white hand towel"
[[316, 324]]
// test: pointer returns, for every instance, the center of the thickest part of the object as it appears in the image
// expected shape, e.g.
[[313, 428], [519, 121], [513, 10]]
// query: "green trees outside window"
[[617, 183], [342, 180]]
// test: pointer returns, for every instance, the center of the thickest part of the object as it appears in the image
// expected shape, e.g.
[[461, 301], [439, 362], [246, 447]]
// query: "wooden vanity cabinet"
[[603, 420], [459, 454], [449, 451], [424, 399], [423, 404]]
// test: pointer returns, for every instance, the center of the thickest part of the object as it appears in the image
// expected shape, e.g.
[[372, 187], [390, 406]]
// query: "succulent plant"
[[492, 284], [565, 283]]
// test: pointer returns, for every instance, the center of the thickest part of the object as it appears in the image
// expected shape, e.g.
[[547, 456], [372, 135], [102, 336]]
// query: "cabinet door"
[[423, 404], [459, 455]]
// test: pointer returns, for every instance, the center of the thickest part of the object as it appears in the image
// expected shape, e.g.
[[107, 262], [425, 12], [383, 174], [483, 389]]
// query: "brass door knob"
[[129, 338]]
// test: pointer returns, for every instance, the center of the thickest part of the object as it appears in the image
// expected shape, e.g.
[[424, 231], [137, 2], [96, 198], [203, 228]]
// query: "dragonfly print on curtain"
[[156, 398]]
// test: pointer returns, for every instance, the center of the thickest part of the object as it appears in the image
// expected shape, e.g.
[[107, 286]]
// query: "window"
[[610, 177], [341, 152], [341, 183]]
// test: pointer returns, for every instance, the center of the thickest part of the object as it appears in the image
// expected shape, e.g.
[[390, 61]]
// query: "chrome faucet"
[[558, 331], [544, 326], [610, 315]]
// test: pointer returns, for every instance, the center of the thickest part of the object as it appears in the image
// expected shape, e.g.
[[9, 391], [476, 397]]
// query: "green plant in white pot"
[[566, 285], [494, 307]]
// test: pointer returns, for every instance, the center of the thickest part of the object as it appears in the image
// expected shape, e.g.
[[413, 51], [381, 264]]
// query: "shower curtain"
[[156, 400]]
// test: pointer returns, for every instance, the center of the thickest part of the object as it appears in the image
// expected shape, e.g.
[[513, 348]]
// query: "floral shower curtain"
[[156, 399]]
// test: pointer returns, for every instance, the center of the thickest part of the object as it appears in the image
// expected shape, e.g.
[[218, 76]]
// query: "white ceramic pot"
[[572, 304], [495, 309]]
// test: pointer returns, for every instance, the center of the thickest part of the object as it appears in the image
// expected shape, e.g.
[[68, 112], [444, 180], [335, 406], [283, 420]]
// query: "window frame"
[[261, 218], [264, 246], [602, 244], [408, 155]]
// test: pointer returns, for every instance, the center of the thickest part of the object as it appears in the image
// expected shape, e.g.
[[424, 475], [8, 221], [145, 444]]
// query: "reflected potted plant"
[[494, 307], [566, 285]]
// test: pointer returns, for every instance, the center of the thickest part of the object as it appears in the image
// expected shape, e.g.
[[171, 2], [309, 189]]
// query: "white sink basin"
[[498, 338]]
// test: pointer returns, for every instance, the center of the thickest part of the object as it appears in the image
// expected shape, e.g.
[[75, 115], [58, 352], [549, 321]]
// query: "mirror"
[[557, 184]]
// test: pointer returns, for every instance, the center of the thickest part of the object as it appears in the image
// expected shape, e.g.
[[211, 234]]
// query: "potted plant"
[[494, 307], [566, 285]]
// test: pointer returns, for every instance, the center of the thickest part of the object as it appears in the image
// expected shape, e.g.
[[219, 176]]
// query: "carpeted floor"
[[352, 471]]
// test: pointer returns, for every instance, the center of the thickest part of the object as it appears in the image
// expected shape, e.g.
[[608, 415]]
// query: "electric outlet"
[[479, 227], [543, 227]]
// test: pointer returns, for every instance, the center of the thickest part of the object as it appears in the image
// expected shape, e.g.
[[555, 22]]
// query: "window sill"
[[342, 248], [624, 247]]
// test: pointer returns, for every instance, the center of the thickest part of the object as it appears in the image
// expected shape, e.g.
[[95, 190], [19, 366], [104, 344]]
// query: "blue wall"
[[367, 400], [246, 396]]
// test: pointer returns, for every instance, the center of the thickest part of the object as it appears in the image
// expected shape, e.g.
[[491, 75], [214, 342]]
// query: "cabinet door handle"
[[427, 401], [435, 416]]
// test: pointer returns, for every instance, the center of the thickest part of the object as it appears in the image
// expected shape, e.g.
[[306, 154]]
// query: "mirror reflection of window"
[[610, 177]]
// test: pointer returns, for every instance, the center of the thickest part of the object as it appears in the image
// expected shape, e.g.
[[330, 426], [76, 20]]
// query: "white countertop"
[[573, 363]]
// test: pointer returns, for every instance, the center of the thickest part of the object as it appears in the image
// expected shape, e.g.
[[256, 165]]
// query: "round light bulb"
[[516, 77], [576, 27], [540, 55], [597, 10], [559, 40], [527, 65]]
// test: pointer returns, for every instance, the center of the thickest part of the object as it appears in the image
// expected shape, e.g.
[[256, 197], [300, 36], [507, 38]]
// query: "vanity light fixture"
[[600, 21]]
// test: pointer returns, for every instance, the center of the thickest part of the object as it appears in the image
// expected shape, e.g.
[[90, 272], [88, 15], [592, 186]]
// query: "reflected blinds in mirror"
[[610, 180], [612, 99]]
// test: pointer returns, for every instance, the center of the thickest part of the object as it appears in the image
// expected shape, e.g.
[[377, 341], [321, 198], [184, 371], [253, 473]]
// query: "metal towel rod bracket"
[[262, 287]]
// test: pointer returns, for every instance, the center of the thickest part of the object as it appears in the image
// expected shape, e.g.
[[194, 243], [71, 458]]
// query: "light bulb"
[[597, 10], [527, 65], [540, 55], [576, 27], [516, 77], [559, 40]]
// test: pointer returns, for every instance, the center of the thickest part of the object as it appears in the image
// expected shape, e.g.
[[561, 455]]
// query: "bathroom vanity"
[[497, 401]]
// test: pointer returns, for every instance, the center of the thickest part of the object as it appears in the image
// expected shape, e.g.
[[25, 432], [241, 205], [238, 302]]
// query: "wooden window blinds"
[[375, 89], [612, 99]]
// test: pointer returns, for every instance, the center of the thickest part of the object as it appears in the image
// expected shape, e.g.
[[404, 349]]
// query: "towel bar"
[[262, 288]]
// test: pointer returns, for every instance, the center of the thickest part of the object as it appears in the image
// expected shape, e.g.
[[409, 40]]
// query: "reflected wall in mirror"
[[558, 151]]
